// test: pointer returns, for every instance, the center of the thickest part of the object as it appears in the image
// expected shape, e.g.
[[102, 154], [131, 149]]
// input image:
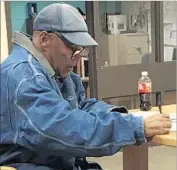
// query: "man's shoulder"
[[14, 70]]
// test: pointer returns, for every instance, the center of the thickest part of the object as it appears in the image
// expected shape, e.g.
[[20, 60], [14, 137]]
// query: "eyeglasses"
[[78, 51]]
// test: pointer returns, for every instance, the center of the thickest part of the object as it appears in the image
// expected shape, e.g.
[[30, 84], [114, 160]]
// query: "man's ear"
[[44, 39]]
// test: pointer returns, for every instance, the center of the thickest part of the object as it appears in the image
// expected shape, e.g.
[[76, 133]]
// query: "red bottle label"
[[144, 87]]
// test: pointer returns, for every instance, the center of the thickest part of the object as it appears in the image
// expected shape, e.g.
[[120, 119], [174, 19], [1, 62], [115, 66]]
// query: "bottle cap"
[[144, 73]]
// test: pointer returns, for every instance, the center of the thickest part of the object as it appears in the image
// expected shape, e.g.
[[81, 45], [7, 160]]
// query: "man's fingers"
[[167, 130], [168, 125], [164, 131]]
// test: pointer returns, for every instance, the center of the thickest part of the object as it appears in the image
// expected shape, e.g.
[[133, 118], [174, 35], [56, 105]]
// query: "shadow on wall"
[[174, 53], [148, 58], [23, 27]]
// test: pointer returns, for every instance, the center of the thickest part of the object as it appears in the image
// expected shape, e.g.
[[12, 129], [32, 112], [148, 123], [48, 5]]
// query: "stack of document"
[[149, 113]]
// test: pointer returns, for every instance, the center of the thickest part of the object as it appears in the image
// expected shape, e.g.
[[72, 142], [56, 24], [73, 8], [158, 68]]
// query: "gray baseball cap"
[[66, 20]]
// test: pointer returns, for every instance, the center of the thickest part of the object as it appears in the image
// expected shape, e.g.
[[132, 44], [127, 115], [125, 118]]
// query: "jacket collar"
[[24, 41]]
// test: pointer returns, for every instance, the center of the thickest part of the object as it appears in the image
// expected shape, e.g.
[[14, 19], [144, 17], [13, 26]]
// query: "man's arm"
[[48, 123], [87, 104]]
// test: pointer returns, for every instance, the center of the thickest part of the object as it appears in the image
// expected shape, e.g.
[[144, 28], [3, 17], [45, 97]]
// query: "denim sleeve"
[[87, 104], [47, 122]]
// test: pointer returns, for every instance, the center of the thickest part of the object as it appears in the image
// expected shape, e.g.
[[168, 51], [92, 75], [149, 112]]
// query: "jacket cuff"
[[138, 123]]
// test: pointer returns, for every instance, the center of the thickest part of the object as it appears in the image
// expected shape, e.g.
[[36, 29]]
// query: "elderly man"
[[46, 122]]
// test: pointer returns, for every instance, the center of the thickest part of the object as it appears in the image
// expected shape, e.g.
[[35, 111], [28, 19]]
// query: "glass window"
[[125, 33], [126, 43], [170, 30]]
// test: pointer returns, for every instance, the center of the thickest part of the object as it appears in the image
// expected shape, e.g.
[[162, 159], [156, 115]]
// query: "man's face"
[[61, 56]]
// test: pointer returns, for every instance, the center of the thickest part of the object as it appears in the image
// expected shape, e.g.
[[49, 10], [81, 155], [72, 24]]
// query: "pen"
[[158, 99], [160, 108]]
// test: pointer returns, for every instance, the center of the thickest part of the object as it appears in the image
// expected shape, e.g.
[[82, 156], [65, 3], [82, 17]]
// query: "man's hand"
[[157, 124]]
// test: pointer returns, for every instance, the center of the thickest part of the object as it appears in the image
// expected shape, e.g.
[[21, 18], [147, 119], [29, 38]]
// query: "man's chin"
[[64, 75]]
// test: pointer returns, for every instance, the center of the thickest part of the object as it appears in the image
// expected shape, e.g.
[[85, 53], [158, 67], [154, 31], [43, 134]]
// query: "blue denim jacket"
[[49, 122]]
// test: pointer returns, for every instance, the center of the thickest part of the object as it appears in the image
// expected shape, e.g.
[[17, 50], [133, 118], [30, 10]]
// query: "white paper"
[[145, 114], [173, 118], [173, 128]]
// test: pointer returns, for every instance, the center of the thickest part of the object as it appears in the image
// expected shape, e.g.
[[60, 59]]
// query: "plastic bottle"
[[145, 90]]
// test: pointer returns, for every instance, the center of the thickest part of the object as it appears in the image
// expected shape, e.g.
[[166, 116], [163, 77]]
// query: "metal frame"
[[157, 30], [91, 18]]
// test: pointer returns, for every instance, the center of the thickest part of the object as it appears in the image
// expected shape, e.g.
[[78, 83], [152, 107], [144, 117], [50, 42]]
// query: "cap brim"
[[79, 38]]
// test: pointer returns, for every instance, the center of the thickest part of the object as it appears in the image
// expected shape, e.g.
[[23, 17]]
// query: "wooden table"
[[6, 168], [136, 157]]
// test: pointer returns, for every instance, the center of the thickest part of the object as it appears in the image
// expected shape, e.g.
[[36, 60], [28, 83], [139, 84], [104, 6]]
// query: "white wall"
[[4, 41]]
